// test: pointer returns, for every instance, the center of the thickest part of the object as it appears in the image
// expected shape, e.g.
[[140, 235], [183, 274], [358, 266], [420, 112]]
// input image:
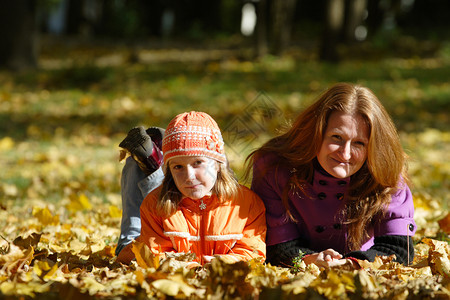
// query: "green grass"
[[65, 122]]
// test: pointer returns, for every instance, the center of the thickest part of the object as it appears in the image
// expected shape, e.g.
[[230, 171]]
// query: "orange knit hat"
[[193, 134]]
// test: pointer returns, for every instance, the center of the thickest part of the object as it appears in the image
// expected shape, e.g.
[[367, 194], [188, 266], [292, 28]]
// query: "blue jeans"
[[135, 186]]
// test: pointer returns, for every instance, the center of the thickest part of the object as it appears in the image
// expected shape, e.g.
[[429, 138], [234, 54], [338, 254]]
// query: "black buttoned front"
[[342, 182], [322, 182], [322, 196], [320, 229], [340, 196]]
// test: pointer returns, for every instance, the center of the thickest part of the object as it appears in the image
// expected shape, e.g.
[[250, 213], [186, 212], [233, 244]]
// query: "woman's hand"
[[327, 258]]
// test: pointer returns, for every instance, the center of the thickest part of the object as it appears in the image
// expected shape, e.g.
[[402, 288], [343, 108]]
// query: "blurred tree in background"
[[273, 26], [18, 34]]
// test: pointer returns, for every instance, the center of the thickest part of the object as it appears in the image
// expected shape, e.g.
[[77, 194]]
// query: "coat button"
[[337, 226], [342, 182], [320, 229], [411, 227], [340, 196], [322, 196], [322, 182]]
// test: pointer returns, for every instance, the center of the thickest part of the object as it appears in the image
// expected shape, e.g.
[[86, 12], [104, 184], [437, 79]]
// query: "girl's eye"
[[198, 162], [177, 167]]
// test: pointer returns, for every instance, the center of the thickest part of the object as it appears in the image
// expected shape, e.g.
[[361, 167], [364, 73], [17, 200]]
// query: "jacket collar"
[[198, 205]]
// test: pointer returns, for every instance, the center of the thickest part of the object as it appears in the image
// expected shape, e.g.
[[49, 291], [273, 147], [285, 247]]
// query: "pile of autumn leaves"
[[68, 251]]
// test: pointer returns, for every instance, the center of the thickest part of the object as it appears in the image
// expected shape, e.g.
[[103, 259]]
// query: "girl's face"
[[344, 145], [194, 176]]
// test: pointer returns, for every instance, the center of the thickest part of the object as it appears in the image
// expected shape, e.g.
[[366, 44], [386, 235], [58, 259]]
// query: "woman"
[[335, 184]]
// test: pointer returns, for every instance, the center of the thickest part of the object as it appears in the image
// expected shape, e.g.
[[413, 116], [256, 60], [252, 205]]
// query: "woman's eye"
[[360, 144], [336, 137], [177, 167]]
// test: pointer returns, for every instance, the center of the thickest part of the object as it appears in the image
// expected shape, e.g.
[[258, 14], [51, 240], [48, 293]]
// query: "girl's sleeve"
[[152, 230], [252, 245]]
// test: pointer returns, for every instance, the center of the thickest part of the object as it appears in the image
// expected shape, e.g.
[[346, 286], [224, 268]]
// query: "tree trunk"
[[283, 13], [18, 33], [375, 16], [334, 21], [74, 17], [261, 43], [354, 18]]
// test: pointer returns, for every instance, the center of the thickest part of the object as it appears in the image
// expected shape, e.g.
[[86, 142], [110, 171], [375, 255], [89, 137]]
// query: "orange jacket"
[[236, 227]]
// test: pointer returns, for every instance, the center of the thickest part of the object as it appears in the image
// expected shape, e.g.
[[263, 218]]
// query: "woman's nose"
[[346, 151]]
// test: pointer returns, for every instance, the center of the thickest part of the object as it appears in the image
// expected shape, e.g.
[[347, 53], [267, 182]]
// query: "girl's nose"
[[190, 173]]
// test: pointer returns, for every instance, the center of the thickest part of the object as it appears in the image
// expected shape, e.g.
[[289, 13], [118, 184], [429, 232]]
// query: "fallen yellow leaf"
[[444, 223], [173, 288], [44, 216], [80, 202], [144, 256], [115, 212]]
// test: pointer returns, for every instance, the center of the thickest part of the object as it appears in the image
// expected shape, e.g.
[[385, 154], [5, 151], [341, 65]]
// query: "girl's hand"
[[327, 258], [227, 258], [207, 258]]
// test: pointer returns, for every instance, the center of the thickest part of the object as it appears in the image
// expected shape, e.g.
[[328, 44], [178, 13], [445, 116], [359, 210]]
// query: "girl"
[[334, 185], [200, 207]]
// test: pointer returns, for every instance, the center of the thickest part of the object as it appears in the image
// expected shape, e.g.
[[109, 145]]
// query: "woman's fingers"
[[332, 253]]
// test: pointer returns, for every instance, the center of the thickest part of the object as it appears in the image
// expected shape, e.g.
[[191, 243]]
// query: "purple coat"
[[317, 214]]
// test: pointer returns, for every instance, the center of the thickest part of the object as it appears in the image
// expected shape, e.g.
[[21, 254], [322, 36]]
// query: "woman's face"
[[194, 176], [344, 145]]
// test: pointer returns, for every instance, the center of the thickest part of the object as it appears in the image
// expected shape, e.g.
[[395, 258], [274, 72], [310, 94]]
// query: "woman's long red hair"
[[372, 186]]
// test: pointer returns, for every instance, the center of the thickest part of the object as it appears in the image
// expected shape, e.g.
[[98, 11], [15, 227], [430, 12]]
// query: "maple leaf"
[[333, 285], [13, 253], [144, 256], [115, 212], [439, 256], [31, 240], [444, 223], [17, 259], [78, 203], [44, 216], [45, 271], [174, 288], [92, 286], [228, 280], [24, 289]]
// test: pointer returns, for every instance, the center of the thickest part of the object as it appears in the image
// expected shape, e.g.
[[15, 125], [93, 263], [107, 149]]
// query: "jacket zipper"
[[202, 236]]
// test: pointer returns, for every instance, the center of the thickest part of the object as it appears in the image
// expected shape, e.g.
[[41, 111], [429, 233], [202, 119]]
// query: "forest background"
[[77, 75]]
